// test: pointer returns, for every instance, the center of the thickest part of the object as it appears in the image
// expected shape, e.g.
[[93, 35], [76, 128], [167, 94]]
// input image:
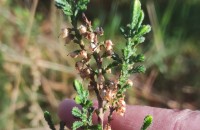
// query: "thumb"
[[163, 119]]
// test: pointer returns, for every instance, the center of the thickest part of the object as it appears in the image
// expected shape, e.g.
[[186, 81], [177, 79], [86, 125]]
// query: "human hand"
[[163, 119]]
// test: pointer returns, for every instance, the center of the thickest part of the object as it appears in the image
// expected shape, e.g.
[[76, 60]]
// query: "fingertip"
[[65, 111]]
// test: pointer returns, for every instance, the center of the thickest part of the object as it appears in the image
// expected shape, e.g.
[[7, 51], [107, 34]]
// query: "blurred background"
[[36, 73]]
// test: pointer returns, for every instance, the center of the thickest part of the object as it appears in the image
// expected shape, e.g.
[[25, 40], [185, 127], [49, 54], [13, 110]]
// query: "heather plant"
[[108, 80]]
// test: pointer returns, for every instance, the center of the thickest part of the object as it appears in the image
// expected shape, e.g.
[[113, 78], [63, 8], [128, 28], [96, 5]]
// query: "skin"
[[163, 119]]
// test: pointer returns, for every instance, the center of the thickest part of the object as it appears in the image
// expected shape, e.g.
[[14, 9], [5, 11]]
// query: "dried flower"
[[121, 111], [103, 93], [99, 31], [129, 82], [92, 46], [82, 29], [84, 73], [109, 53], [108, 45], [121, 107], [100, 79], [64, 33], [109, 71], [110, 94], [91, 37], [83, 54], [107, 127]]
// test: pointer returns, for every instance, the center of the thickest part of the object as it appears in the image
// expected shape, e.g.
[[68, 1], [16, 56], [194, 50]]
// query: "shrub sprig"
[[110, 93]]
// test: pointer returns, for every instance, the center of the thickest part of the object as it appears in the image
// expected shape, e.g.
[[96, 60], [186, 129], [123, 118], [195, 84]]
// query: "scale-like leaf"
[[96, 127], [135, 13], [64, 5], [78, 87], [78, 99], [77, 124], [137, 58], [60, 3], [144, 29], [88, 104], [76, 112], [140, 20], [138, 69], [147, 122]]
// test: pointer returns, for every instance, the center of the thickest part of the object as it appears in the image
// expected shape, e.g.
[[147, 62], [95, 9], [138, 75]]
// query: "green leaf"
[[113, 64], [127, 52], [96, 127], [77, 124], [147, 122], [76, 112], [78, 99], [116, 57], [65, 6], [140, 40], [122, 30], [140, 19], [123, 89], [138, 58], [60, 3], [88, 104], [85, 94], [78, 87], [144, 29], [138, 69], [82, 4], [135, 13]]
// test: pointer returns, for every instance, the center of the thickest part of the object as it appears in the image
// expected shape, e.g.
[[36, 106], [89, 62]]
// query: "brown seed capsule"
[[84, 73], [73, 54], [79, 65], [82, 29]]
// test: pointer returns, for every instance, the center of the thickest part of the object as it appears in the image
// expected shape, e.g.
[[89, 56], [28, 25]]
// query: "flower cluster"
[[91, 47]]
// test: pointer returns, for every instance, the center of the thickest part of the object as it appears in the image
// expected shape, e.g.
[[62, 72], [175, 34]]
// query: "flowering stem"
[[109, 93]]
